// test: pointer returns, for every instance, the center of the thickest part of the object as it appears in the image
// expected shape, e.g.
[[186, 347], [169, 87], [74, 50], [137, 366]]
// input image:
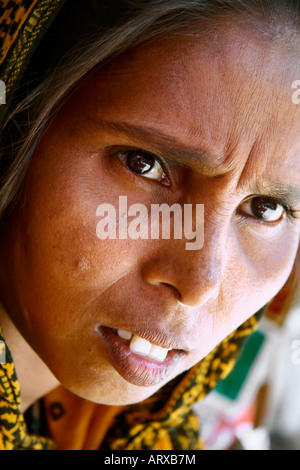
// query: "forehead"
[[228, 91]]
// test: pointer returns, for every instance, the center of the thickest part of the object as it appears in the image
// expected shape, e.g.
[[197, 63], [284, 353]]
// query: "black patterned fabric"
[[22, 25]]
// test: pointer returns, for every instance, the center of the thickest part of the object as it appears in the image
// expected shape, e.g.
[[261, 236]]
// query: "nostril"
[[163, 284], [192, 283], [174, 289]]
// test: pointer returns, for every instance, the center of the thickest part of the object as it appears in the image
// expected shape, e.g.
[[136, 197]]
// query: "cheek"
[[61, 260], [269, 254], [269, 261], [65, 267], [255, 270]]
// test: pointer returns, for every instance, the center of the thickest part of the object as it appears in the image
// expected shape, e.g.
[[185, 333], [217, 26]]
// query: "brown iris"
[[261, 206], [140, 162]]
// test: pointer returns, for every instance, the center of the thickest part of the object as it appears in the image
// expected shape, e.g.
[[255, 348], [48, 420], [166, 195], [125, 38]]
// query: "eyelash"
[[291, 213], [164, 166]]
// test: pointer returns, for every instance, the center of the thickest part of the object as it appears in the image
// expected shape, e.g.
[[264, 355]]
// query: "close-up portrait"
[[149, 226]]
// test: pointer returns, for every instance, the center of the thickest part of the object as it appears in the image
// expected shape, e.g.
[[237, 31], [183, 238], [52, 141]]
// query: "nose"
[[195, 277]]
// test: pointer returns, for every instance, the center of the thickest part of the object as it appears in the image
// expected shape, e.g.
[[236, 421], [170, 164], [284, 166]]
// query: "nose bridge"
[[196, 275], [211, 257], [205, 268]]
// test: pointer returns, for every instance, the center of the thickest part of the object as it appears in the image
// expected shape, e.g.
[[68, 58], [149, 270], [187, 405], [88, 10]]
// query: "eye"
[[263, 208], [144, 164]]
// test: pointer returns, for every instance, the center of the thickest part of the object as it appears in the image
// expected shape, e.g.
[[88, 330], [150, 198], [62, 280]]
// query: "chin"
[[110, 392]]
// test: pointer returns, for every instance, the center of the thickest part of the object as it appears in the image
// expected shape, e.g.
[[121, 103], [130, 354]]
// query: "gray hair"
[[123, 24]]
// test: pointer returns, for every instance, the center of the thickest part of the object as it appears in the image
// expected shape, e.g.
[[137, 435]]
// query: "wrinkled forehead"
[[227, 90]]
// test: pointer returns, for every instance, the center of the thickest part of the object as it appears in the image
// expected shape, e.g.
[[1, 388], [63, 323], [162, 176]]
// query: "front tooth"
[[124, 334], [158, 353], [140, 346]]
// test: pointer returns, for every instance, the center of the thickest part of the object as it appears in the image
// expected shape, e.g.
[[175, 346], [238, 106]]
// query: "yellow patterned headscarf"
[[13, 432]]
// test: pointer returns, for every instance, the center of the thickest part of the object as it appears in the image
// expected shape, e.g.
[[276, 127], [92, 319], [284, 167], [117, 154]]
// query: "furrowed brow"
[[209, 165], [167, 146], [287, 193]]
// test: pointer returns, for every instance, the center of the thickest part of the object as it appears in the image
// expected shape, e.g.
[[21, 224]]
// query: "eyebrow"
[[175, 152], [286, 194], [168, 146]]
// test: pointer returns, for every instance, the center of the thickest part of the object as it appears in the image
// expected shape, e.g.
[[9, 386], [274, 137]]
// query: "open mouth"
[[143, 347], [136, 359]]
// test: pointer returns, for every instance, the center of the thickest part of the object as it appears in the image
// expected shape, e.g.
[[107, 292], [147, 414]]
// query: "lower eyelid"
[[122, 155], [260, 225], [272, 226]]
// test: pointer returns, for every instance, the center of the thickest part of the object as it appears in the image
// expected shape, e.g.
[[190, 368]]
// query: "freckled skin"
[[64, 281]]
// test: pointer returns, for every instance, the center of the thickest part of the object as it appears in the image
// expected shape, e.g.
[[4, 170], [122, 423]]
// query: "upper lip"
[[158, 337]]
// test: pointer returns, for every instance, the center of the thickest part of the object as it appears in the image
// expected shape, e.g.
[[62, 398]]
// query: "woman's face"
[[188, 121]]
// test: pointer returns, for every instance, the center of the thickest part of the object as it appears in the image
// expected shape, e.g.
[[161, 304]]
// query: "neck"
[[34, 377]]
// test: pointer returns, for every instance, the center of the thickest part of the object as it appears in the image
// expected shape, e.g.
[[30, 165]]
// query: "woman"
[[159, 102]]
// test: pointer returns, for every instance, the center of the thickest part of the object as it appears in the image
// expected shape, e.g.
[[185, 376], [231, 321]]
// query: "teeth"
[[140, 346], [158, 353], [124, 334], [143, 347]]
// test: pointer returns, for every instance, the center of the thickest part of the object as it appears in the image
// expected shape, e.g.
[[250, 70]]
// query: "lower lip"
[[138, 370]]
